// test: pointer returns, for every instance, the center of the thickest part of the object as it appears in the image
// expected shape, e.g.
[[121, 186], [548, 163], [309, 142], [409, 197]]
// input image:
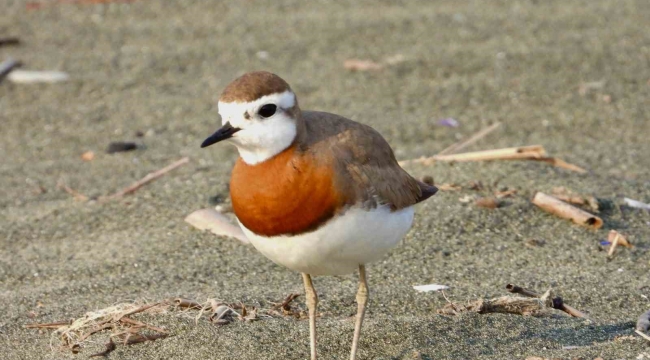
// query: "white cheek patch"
[[261, 139], [234, 111]]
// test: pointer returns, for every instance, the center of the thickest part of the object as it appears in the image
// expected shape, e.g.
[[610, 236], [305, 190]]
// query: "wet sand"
[[157, 67]]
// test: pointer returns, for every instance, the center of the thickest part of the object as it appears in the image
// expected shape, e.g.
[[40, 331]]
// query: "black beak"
[[225, 132]]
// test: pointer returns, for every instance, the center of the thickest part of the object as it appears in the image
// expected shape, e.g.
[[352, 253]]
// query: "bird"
[[314, 192]]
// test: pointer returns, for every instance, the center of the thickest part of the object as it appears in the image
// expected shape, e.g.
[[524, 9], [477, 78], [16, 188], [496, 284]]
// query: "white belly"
[[357, 237]]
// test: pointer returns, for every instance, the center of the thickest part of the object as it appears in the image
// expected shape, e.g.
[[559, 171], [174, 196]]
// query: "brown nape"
[[252, 86], [288, 194]]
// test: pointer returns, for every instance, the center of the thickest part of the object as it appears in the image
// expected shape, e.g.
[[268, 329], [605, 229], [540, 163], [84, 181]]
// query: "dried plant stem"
[[147, 179], [567, 211], [640, 333], [471, 140]]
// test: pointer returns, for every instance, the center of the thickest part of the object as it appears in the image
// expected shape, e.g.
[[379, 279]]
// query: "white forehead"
[[235, 110]]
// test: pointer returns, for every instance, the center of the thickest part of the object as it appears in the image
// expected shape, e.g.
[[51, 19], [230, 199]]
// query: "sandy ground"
[[158, 67]]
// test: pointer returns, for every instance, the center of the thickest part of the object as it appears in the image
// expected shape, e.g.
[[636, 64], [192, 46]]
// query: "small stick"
[[138, 310], [128, 320], [103, 326], [7, 41], [139, 338], [54, 325], [7, 66], [471, 140], [613, 246], [75, 194], [522, 291], [561, 164], [514, 153], [147, 179], [613, 234], [640, 333], [558, 303], [567, 211], [110, 346], [187, 303]]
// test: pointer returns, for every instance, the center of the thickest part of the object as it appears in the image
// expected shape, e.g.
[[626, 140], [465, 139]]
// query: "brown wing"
[[367, 170]]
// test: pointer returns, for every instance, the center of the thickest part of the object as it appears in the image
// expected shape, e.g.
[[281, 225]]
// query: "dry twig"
[[147, 179], [471, 140]]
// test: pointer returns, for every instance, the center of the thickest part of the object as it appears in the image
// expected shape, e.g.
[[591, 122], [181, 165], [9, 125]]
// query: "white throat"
[[261, 138]]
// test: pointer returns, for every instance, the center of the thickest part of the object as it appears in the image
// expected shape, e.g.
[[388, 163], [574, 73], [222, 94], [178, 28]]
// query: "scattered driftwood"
[[361, 65], [529, 303], [636, 204], [557, 302], [567, 211], [75, 194], [147, 179], [126, 330], [35, 77], [469, 141], [533, 152], [570, 197], [218, 224], [615, 239]]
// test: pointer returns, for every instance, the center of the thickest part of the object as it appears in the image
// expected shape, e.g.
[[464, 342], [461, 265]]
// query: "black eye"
[[267, 110]]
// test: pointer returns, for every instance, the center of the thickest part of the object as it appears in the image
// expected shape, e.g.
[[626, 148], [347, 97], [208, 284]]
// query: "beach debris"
[[636, 204], [567, 211], [569, 196], [430, 287], [487, 203], [467, 199], [126, 330], [88, 156], [147, 179], [530, 303], [129, 189], [532, 152], [7, 66], [505, 193], [615, 238], [9, 41], [121, 146], [75, 194], [449, 122], [35, 77], [471, 140], [218, 224], [362, 65]]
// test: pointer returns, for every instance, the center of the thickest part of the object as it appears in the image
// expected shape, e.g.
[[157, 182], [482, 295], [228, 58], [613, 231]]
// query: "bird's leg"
[[312, 303], [362, 300]]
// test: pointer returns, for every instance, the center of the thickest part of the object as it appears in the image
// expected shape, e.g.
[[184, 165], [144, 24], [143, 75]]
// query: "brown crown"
[[252, 86]]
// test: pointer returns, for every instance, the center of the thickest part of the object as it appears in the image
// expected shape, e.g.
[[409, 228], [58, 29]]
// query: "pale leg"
[[312, 303], [362, 300]]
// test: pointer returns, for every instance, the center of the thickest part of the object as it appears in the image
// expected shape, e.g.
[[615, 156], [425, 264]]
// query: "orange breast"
[[286, 195]]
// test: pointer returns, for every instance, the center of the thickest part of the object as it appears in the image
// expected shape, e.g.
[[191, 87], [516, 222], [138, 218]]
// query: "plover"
[[313, 191]]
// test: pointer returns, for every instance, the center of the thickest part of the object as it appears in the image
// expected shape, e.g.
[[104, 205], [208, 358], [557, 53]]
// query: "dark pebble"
[[120, 146]]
